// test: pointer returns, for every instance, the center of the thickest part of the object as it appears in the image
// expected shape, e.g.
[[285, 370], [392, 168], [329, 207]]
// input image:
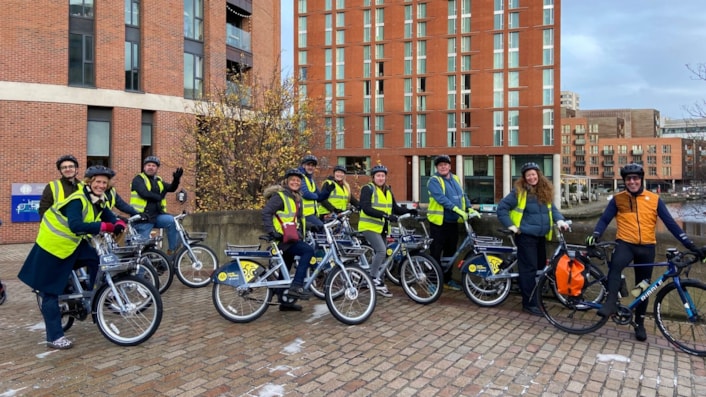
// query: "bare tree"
[[698, 109]]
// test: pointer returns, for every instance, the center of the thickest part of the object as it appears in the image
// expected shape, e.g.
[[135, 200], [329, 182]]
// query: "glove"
[[276, 236], [328, 187], [178, 173], [562, 225], [119, 227], [107, 227], [461, 213], [473, 213], [392, 218], [413, 211], [513, 229], [591, 240]]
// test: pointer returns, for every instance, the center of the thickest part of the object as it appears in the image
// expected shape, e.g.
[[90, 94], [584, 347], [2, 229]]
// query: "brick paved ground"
[[449, 348]]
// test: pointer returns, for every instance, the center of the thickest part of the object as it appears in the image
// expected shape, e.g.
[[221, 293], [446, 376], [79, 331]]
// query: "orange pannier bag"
[[570, 274]]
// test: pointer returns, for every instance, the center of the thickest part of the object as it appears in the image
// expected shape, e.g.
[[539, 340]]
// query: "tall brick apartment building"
[[109, 81], [406, 80]]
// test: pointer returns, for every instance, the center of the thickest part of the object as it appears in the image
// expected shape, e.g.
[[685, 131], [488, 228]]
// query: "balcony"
[[608, 163], [608, 152], [579, 142], [579, 152], [580, 163], [608, 174], [579, 131], [636, 152], [238, 38]]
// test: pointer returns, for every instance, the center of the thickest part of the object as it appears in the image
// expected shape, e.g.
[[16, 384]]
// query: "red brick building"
[[109, 81], [406, 80]]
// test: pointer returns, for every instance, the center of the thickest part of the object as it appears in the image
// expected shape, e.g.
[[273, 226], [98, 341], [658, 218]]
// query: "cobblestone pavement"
[[449, 348]]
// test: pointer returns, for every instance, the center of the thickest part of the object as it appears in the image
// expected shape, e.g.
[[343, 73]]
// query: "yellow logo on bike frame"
[[494, 263], [389, 251], [313, 260], [249, 268], [222, 276]]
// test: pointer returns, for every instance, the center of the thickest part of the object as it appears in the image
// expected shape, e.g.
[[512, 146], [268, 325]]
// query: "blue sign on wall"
[[25, 201]]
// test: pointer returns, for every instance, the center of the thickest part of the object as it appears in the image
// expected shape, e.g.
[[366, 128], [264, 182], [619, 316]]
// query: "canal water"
[[690, 215]]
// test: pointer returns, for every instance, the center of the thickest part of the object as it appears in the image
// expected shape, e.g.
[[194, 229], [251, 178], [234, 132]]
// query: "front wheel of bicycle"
[[139, 316], [688, 333], [350, 294], [572, 314], [162, 265], [241, 304], [195, 272], [421, 278]]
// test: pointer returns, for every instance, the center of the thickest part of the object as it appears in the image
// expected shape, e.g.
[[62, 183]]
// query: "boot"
[[610, 306], [640, 331]]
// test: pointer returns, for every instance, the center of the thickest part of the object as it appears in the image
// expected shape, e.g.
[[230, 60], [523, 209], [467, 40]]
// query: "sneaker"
[[62, 343], [453, 285], [533, 310], [640, 332], [381, 288]]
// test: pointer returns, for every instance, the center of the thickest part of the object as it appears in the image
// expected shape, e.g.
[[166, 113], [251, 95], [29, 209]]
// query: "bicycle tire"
[[141, 318], [147, 272], [574, 315], [161, 263], [421, 278], [317, 285], [672, 321], [195, 272], [595, 290], [241, 304], [392, 272], [484, 292], [351, 302]]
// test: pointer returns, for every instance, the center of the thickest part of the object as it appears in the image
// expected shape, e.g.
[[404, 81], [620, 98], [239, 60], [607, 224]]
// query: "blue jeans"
[[305, 253], [162, 221]]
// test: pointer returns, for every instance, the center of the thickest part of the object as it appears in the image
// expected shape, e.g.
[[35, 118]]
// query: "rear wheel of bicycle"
[[163, 266], [594, 292], [484, 292], [350, 294], [421, 278], [689, 335], [195, 272], [572, 314], [139, 317], [241, 304]]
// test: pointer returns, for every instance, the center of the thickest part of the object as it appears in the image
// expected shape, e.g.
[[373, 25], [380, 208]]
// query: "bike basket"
[[197, 236], [351, 251], [126, 250], [487, 240], [111, 262]]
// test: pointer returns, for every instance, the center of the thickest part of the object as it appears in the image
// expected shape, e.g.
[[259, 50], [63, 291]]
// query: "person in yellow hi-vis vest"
[[340, 196], [448, 206], [59, 189], [61, 245], [147, 195], [377, 209], [311, 195], [529, 212]]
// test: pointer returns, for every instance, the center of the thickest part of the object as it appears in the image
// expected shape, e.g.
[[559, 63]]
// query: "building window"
[[81, 8], [193, 76], [81, 65], [193, 19], [132, 66], [132, 12], [98, 136], [147, 133]]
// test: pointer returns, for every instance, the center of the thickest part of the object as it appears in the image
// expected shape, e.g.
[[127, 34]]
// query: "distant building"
[[570, 100], [684, 128]]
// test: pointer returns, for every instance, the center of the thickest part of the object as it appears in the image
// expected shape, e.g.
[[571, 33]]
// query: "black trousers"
[[444, 244], [623, 254], [531, 256]]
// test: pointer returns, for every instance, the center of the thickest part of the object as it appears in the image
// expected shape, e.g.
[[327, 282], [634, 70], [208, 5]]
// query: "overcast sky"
[[617, 53]]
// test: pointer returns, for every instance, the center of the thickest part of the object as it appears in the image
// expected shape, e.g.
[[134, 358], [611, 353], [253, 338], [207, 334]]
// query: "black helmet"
[[529, 166], [442, 159], [309, 158], [378, 168], [151, 159], [293, 172], [66, 157], [632, 169], [99, 170], [339, 168]]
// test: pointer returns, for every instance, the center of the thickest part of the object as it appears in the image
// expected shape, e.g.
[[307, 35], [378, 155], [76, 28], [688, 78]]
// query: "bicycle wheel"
[[689, 335], [140, 317], [572, 314], [317, 285], [350, 295], [196, 272], [241, 304], [594, 292], [421, 278], [392, 272], [485, 292], [147, 272], [161, 264]]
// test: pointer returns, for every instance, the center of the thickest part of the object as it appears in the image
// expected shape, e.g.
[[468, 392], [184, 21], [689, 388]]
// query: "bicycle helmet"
[[66, 157], [309, 158], [632, 169], [339, 168], [99, 170], [378, 168], [151, 159], [442, 159], [293, 172], [529, 166]]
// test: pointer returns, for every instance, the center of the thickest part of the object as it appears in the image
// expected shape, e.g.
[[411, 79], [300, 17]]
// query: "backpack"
[[571, 274]]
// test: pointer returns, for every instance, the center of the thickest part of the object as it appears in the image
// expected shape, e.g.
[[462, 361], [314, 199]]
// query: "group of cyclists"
[[73, 208]]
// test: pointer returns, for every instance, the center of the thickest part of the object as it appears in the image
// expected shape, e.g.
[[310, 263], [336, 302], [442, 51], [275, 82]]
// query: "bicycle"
[[679, 307], [149, 253], [488, 274], [194, 262], [126, 308], [243, 288]]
